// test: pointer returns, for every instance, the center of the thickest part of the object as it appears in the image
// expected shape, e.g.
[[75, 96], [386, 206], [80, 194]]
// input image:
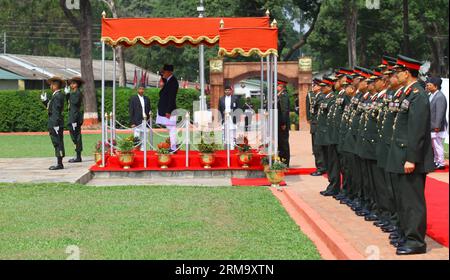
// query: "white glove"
[[56, 128], [74, 125], [67, 90], [44, 97]]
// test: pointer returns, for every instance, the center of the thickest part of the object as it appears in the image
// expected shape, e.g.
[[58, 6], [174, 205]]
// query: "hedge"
[[23, 111]]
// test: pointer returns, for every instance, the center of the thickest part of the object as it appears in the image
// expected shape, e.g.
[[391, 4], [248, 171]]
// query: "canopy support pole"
[[103, 106], [144, 141], [113, 125], [262, 84], [275, 83], [270, 107], [261, 93], [202, 78], [201, 11]]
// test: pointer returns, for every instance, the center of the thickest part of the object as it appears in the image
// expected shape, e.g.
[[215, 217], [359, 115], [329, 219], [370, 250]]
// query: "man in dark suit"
[[228, 104], [55, 107], [438, 104], [139, 108], [168, 103]]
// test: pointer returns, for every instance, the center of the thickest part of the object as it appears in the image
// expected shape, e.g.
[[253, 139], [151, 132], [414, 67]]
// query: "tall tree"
[[435, 22], [310, 13], [83, 24], [351, 24], [119, 49], [406, 44]]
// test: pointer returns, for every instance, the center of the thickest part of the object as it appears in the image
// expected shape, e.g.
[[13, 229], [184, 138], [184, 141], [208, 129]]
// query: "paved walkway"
[[367, 239], [35, 170]]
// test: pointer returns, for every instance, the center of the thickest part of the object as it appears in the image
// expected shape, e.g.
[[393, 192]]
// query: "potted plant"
[[125, 153], [207, 150], [163, 154], [265, 163], [245, 155], [98, 152], [275, 173]]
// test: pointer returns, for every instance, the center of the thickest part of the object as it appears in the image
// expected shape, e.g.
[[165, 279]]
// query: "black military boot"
[[76, 159], [58, 166]]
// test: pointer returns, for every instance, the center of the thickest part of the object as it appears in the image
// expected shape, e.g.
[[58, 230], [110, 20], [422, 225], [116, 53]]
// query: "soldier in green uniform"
[[55, 107], [346, 148], [325, 137], [366, 151], [353, 115], [313, 100], [410, 157], [284, 109], [75, 100], [386, 129], [342, 101], [363, 205]]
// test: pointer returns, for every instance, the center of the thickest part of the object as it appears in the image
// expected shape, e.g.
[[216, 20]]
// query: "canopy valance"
[[171, 31], [248, 41]]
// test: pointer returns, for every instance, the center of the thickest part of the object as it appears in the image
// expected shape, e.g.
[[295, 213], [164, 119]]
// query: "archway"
[[296, 73]]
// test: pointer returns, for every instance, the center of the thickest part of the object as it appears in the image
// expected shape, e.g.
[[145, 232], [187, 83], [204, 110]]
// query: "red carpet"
[[436, 193], [258, 182], [300, 171], [179, 162]]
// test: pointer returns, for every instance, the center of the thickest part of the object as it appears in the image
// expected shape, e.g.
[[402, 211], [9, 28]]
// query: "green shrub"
[[23, 111]]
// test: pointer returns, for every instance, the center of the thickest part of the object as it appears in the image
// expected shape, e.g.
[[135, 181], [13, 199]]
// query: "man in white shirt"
[[438, 108], [227, 105], [139, 109]]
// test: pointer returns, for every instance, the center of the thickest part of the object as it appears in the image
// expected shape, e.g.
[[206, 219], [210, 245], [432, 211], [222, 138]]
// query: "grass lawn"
[[40, 221], [29, 146]]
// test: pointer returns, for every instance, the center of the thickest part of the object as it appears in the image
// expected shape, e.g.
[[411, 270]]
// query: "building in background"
[[20, 72], [10, 81]]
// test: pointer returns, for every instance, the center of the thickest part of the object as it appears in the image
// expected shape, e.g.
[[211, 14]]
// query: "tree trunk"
[[437, 51], [120, 56], [303, 40], [406, 47], [83, 24], [352, 32]]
